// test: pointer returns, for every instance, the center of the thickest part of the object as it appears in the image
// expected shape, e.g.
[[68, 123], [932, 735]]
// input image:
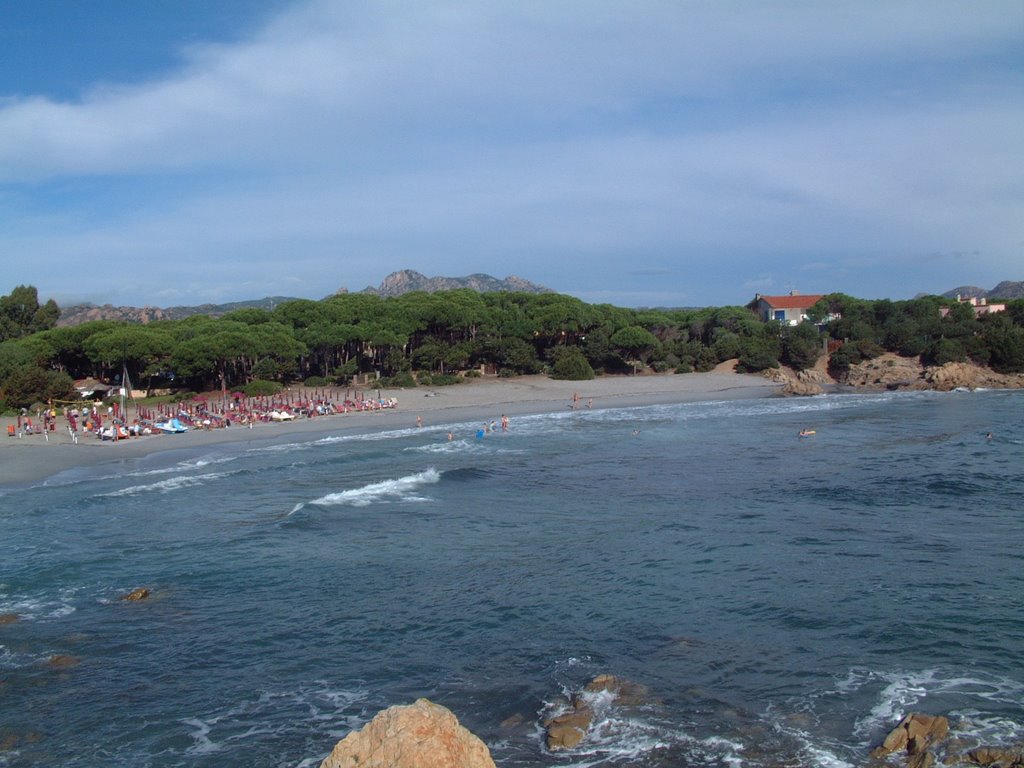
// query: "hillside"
[[84, 313], [394, 284]]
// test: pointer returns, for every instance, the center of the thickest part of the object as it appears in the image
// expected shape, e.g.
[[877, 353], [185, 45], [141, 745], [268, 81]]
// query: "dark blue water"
[[784, 600]]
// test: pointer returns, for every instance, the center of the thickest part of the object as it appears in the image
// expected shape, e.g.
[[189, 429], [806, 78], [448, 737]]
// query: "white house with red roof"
[[790, 309]]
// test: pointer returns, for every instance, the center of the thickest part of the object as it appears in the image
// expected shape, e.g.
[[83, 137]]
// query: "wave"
[[168, 485], [398, 489]]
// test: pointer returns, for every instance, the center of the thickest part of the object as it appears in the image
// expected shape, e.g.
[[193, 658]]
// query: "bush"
[[473, 373], [318, 381], [30, 384], [571, 365], [261, 387], [684, 367], [403, 380], [944, 351], [756, 359], [439, 380]]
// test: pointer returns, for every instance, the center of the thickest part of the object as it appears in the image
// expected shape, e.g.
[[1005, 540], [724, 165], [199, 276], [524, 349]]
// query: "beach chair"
[[10, 430]]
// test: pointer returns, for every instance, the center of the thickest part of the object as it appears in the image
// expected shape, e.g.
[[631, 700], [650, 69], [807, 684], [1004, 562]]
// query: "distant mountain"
[[84, 313], [407, 280], [1008, 289]]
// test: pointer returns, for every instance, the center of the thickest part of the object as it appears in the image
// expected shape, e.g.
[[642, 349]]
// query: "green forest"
[[438, 338]]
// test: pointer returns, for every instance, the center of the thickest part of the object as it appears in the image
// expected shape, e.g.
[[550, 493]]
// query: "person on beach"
[[504, 423], [419, 421]]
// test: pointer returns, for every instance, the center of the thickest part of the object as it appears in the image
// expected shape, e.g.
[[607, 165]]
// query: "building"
[[980, 306], [790, 309]]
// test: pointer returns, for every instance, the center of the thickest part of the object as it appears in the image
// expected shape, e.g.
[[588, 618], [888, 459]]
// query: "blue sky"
[[677, 153]]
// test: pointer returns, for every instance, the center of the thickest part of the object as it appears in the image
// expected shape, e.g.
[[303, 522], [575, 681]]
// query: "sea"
[[782, 601]]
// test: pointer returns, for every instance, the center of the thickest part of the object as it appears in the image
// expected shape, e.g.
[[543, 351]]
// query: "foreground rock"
[[136, 594], [420, 735]]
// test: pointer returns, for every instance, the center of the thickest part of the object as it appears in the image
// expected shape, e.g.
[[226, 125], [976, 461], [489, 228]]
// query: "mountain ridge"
[[1007, 289]]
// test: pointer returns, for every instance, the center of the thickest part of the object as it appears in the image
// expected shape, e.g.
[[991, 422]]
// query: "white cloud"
[[361, 139]]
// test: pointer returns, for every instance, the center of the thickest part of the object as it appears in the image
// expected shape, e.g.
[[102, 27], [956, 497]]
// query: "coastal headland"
[[33, 458]]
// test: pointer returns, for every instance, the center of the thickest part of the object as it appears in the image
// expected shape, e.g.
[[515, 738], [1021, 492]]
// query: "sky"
[[648, 153]]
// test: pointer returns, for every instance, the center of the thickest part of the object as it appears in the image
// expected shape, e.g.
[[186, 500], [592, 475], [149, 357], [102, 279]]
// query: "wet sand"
[[33, 458]]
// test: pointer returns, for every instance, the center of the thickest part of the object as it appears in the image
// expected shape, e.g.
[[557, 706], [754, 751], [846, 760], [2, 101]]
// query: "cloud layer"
[[643, 154]]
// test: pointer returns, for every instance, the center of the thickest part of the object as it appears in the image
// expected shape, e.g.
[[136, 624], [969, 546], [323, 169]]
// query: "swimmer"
[[451, 436]]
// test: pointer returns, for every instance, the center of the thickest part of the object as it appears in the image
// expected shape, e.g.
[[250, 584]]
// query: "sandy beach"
[[33, 458]]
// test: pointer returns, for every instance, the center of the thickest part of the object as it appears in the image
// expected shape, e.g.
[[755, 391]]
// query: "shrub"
[[473, 373], [944, 351], [403, 380], [439, 380], [318, 381], [571, 365], [261, 387]]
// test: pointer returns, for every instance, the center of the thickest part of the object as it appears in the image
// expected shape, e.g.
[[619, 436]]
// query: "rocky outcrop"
[[969, 376], [806, 383], [136, 594], [890, 371], [569, 727], [407, 280], [420, 735], [913, 736], [887, 371]]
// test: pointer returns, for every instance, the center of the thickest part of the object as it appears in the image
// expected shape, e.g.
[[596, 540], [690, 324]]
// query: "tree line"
[[437, 337]]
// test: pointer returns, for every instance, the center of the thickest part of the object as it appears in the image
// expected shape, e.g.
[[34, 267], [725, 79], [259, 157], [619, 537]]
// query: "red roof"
[[792, 302]]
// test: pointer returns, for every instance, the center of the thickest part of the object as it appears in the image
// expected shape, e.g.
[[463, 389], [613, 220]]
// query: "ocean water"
[[784, 601]]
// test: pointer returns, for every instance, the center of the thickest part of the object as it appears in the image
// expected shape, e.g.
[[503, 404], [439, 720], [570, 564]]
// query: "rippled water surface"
[[783, 600]]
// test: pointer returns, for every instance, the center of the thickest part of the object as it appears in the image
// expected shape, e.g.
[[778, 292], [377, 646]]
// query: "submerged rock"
[[567, 730], [995, 756], [420, 735], [570, 726], [9, 618], [136, 594]]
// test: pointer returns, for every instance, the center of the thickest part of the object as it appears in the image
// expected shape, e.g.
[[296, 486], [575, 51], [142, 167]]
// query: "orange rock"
[[420, 735]]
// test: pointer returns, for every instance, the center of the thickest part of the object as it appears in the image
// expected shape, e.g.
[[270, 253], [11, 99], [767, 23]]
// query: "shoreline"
[[32, 459]]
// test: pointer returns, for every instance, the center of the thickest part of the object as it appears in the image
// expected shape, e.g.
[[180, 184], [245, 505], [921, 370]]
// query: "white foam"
[[904, 691], [271, 714], [399, 489], [168, 485]]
